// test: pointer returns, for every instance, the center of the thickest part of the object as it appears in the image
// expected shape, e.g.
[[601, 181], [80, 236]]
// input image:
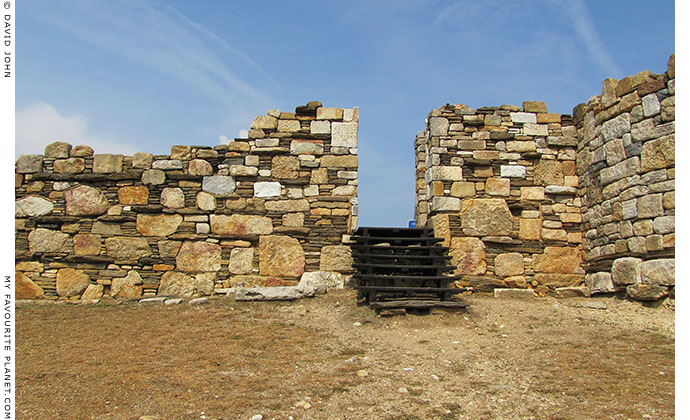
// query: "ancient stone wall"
[[626, 165], [530, 199], [262, 211], [499, 185]]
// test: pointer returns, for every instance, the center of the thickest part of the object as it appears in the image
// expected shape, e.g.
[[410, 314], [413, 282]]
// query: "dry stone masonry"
[[262, 211], [557, 203]]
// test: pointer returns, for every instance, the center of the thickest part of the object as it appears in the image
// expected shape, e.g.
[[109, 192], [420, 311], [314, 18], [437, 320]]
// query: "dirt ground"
[[326, 358]]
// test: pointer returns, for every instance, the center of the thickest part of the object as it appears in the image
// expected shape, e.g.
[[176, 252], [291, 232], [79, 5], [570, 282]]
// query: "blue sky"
[[143, 75]]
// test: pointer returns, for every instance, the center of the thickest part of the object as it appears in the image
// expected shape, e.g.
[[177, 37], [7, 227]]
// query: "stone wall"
[[626, 164], [530, 199], [262, 211], [499, 185]]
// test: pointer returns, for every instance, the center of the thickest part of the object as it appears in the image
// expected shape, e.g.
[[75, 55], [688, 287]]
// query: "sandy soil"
[[326, 358]]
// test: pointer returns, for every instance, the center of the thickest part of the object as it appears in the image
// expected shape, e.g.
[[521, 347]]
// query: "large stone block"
[[87, 244], [530, 229], [199, 257], [548, 172], [486, 217], [513, 171], [241, 261], [322, 281], [133, 195], [177, 284], [127, 287], [71, 282], [25, 288], [265, 122], [168, 249], [336, 258], [199, 167], [599, 282], [650, 206], [535, 129], [158, 224], [126, 249], [556, 259], [438, 126], [280, 256], [531, 193], [172, 197], [468, 256], [267, 189], [497, 186], [241, 225], [153, 176], [69, 166], [344, 134], [45, 240], [206, 201], [219, 185], [142, 160], [616, 127], [33, 206], [445, 204], [57, 150], [462, 189], [523, 117], [554, 280], [659, 153], [509, 264], [646, 292], [107, 163], [446, 173], [27, 164], [306, 147], [81, 151], [287, 206], [85, 201], [661, 272], [346, 161], [285, 167], [620, 170]]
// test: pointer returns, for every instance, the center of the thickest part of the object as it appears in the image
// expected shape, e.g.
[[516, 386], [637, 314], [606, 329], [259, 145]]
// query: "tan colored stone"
[[287, 206], [158, 224], [206, 201], [241, 261], [548, 172], [71, 282], [486, 216], [172, 197], [85, 201], [127, 249], [468, 256], [546, 117], [336, 258], [45, 240], [534, 106], [87, 244], [25, 288], [498, 186], [462, 189], [81, 151], [199, 167], [570, 217], [509, 264], [29, 266], [180, 152], [483, 172], [553, 280], [521, 146], [58, 149], [346, 161], [319, 176], [142, 160], [107, 163], [93, 292], [293, 219], [285, 167], [133, 195], [128, 287], [531, 193], [280, 256], [658, 153], [241, 225], [174, 283], [441, 225], [163, 267], [554, 234], [555, 259], [199, 256], [168, 249], [69, 166]]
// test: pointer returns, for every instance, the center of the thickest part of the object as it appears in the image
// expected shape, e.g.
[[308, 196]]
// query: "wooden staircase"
[[402, 268]]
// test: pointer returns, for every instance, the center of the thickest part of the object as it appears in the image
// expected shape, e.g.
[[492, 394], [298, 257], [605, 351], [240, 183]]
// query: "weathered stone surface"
[[497, 186], [93, 292], [438, 126], [347, 161], [322, 281], [307, 147], [106, 228], [319, 127], [554, 280], [172, 197], [288, 126], [133, 195], [127, 249], [167, 164], [659, 153], [462, 189], [206, 201], [446, 173], [25, 288], [534, 106], [531, 193], [326, 113], [650, 105], [280, 256], [46, 240], [620, 170], [286, 206], [158, 224], [599, 282], [521, 146], [285, 167], [219, 185], [241, 225], [558, 189], [142, 160], [33, 206], [646, 292], [241, 170], [71, 282], [267, 189], [558, 260], [650, 206], [523, 117], [509, 264], [530, 229], [199, 167], [57, 150], [29, 266], [168, 249], [293, 220], [661, 272], [548, 172], [445, 204], [27, 164], [616, 127], [241, 261], [128, 287], [69, 166], [153, 177], [513, 171], [571, 292], [535, 129], [204, 283], [199, 256], [513, 293], [107, 163], [265, 122], [468, 256], [85, 201], [344, 134], [336, 258], [174, 283], [87, 244], [664, 224], [273, 293], [486, 217]]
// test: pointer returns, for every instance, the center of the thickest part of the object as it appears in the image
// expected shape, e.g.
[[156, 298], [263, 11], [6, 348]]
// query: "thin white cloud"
[[158, 36], [576, 11], [40, 124]]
